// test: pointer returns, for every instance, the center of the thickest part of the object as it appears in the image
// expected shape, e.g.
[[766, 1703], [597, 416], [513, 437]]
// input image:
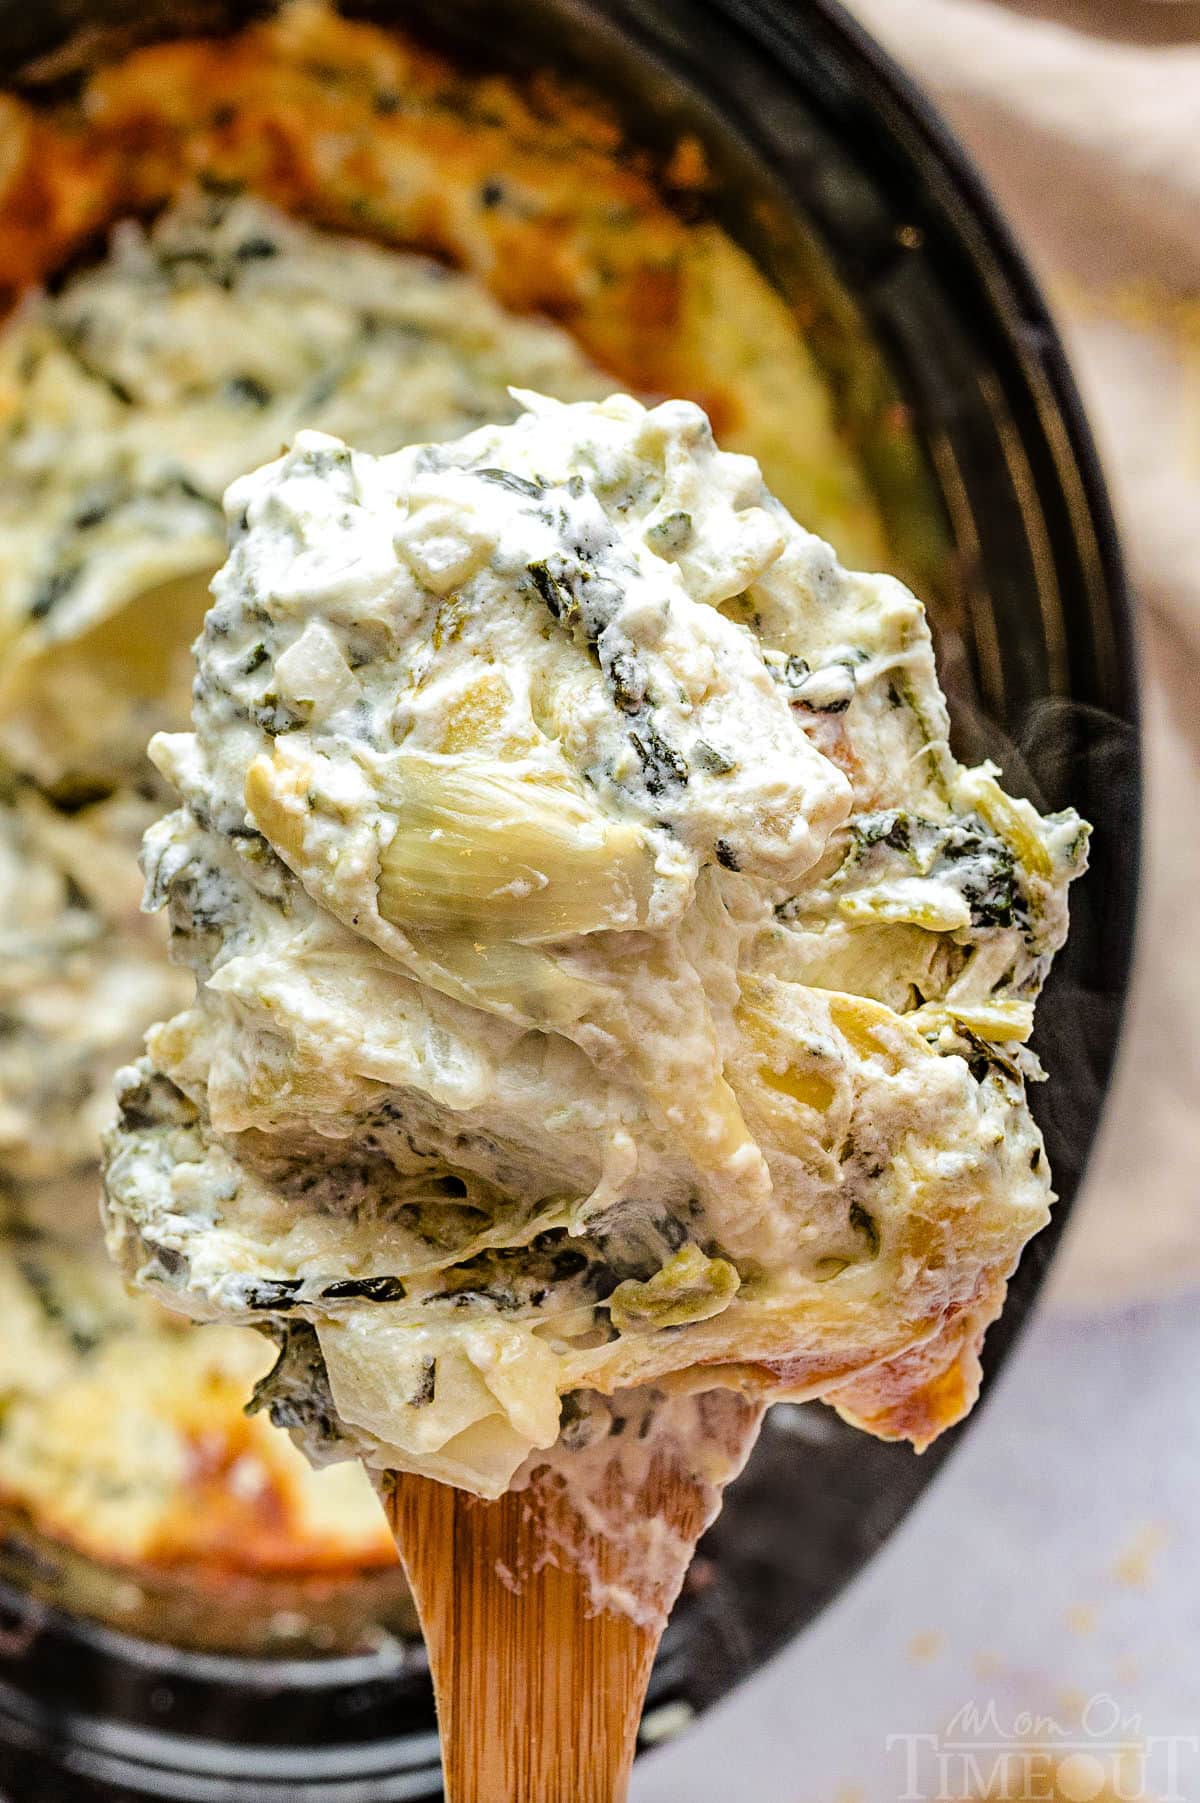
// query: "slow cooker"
[[943, 360]]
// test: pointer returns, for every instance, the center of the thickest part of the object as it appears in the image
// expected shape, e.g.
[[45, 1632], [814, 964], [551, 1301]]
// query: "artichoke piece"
[[874, 1030], [996, 1018], [480, 848], [690, 1287], [788, 1065], [809, 1087], [1015, 822], [908, 901], [457, 956], [797, 1059], [276, 794], [501, 978]]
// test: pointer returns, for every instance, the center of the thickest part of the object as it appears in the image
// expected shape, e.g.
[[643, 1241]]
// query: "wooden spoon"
[[542, 1612]]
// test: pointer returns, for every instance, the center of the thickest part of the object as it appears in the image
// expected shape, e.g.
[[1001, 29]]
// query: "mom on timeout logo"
[[1107, 1756]]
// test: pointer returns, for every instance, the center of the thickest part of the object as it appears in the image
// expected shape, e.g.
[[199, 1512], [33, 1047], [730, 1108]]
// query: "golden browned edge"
[[213, 1523], [594, 247], [530, 188]]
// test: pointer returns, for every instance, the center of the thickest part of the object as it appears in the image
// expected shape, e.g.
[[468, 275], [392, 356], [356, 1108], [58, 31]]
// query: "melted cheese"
[[605, 974]]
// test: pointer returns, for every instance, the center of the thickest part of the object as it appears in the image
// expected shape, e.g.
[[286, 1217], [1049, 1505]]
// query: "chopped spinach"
[[558, 599], [365, 1289], [93, 511], [274, 1295], [52, 591], [295, 1392], [275, 716], [674, 533], [627, 680], [890, 826], [986, 1059], [662, 766], [993, 897], [517, 485], [962, 852]]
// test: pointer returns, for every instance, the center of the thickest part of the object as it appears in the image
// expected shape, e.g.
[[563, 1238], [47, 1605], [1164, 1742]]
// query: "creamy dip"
[[605, 975]]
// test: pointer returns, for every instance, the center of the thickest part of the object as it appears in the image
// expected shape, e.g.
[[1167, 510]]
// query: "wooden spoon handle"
[[542, 1615], [538, 1700]]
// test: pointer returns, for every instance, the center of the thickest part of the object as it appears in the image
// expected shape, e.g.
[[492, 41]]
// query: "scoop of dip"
[[605, 974]]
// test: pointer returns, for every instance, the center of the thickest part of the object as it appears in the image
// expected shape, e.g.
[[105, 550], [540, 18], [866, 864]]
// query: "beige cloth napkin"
[[1085, 117]]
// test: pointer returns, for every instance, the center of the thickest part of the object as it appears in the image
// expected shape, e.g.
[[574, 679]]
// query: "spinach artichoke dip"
[[605, 975], [128, 401]]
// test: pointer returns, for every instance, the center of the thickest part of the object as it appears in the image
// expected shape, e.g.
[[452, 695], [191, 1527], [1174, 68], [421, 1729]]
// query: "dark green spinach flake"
[[517, 485], [53, 590], [662, 767]]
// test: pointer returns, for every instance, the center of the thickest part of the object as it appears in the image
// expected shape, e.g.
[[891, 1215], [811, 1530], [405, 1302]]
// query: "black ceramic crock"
[[831, 169]]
